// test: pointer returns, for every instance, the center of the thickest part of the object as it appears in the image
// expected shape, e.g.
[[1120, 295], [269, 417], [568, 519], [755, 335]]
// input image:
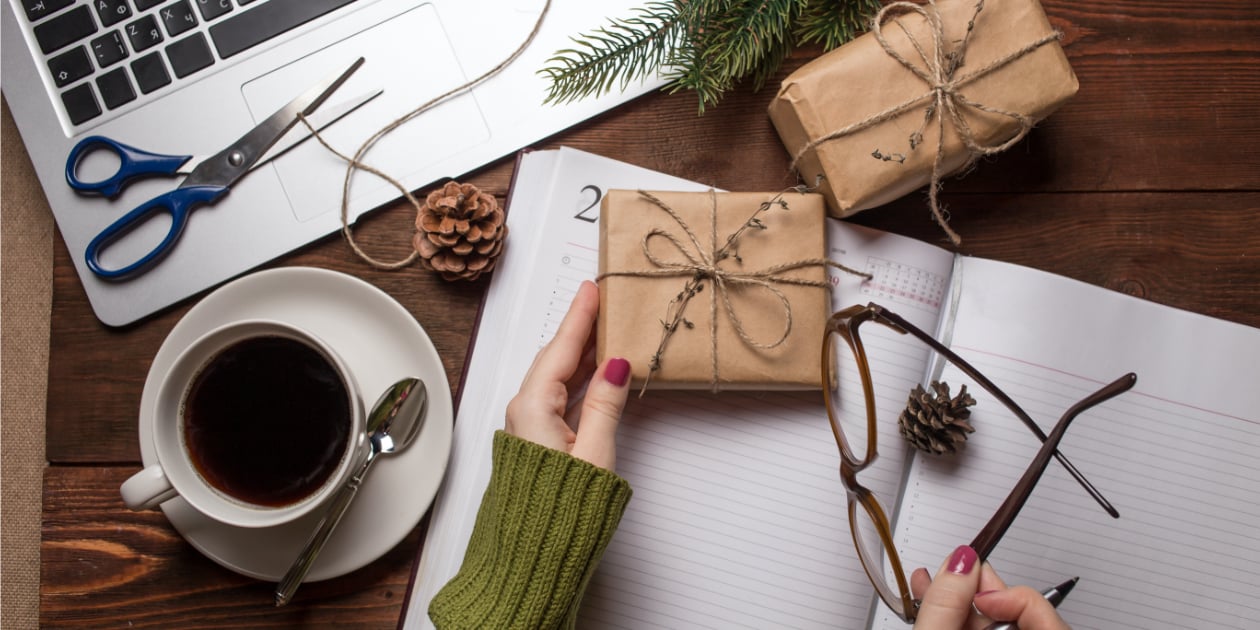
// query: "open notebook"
[[738, 517]]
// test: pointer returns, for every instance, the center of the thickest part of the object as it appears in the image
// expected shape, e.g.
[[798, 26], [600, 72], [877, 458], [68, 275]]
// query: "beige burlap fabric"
[[26, 233]]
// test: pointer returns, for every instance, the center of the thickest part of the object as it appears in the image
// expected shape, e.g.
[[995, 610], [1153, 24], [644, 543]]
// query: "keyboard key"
[[150, 72], [109, 49], [70, 66], [38, 9], [250, 28], [142, 5], [143, 33], [189, 55], [243, 2], [81, 103], [178, 18], [115, 88], [112, 11], [65, 29], [211, 9]]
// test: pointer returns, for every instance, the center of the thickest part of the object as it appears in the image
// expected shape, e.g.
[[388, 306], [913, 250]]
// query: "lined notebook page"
[[1176, 455]]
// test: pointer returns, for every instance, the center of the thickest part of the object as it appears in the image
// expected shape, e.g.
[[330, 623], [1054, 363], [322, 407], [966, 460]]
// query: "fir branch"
[[770, 64], [691, 71], [705, 46], [730, 39], [746, 31], [833, 24], [625, 50]]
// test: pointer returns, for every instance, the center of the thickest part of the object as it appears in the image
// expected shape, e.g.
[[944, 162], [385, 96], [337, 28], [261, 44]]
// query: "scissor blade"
[[320, 120], [228, 165]]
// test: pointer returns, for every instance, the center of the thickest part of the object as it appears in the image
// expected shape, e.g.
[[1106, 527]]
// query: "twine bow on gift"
[[945, 101], [701, 265]]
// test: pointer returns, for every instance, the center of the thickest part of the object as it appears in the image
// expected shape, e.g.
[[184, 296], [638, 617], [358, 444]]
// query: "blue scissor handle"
[[178, 203], [133, 163]]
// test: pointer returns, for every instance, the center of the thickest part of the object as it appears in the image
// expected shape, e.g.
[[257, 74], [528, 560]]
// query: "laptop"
[[190, 76]]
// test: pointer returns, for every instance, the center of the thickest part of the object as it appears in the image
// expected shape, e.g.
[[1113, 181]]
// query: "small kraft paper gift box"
[[928, 90], [711, 290]]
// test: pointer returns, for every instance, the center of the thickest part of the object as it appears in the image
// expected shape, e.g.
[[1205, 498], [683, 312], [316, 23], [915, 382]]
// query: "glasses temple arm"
[[992, 388], [993, 531]]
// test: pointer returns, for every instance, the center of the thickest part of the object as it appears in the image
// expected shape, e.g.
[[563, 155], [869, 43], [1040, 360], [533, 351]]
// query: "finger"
[[920, 580], [560, 358], [532, 416], [1023, 605], [947, 601], [576, 385], [601, 413], [989, 579]]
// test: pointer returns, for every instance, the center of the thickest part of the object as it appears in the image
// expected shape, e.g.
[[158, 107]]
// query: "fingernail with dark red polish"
[[962, 561], [618, 372]]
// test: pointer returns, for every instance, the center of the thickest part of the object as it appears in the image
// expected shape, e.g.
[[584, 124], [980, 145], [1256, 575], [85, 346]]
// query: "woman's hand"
[[964, 596], [545, 410]]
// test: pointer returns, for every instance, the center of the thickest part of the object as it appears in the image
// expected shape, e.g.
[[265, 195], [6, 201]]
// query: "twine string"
[[356, 162], [697, 264], [945, 102]]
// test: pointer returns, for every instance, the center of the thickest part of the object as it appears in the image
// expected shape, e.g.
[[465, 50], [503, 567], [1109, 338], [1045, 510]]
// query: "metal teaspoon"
[[392, 424]]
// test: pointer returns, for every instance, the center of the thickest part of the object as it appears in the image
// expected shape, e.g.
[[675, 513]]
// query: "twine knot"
[[700, 264], [945, 100]]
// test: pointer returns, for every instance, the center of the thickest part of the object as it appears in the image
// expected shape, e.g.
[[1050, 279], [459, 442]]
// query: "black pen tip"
[[1067, 586]]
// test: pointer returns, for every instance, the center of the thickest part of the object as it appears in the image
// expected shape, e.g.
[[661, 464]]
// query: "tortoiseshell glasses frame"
[[843, 325]]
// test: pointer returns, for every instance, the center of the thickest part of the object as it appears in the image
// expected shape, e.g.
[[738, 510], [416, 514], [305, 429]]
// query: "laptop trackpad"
[[408, 55]]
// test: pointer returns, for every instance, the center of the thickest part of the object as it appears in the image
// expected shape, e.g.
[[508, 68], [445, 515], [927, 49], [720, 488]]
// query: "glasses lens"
[[845, 400], [871, 550]]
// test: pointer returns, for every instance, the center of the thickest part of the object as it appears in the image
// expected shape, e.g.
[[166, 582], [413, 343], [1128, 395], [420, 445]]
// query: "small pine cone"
[[934, 422], [460, 232]]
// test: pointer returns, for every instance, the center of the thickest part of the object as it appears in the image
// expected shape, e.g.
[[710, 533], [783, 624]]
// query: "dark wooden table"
[[1148, 182]]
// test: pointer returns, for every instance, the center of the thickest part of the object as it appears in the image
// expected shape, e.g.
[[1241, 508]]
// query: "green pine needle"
[[835, 24], [625, 50], [746, 30], [703, 46]]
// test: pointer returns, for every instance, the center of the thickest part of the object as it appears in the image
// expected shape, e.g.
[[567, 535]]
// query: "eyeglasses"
[[870, 526]]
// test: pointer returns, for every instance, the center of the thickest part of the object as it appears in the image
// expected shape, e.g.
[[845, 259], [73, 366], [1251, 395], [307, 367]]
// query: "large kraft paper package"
[[636, 293], [860, 84]]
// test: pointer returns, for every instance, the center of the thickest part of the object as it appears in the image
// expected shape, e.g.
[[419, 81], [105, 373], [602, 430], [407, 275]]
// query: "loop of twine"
[[356, 162], [945, 101], [700, 265]]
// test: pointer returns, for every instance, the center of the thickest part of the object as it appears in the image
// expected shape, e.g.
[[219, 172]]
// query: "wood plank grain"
[[105, 566]]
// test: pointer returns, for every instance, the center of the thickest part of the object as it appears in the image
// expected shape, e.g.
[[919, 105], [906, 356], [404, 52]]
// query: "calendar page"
[[901, 283]]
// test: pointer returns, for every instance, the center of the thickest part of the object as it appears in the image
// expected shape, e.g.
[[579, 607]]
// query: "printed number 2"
[[584, 214]]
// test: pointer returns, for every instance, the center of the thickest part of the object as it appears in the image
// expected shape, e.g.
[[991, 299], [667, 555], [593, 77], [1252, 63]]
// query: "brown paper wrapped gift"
[[648, 258], [868, 116]]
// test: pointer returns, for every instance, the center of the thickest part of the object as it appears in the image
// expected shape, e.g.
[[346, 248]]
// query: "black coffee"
[[267, 421]]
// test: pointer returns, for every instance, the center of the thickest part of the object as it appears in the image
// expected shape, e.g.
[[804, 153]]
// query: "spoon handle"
[[336, 509]]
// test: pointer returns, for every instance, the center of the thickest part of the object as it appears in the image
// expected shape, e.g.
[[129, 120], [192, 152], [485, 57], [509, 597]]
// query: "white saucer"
[[381, 342]]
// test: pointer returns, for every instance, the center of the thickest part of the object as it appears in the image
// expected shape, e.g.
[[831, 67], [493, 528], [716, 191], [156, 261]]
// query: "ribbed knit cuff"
[[543, 524]]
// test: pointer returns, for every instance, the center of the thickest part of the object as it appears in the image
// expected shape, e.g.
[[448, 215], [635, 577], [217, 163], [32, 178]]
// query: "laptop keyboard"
[[103, 54]]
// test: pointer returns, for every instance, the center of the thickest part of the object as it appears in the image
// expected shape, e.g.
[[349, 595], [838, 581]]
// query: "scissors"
[[208, 179]]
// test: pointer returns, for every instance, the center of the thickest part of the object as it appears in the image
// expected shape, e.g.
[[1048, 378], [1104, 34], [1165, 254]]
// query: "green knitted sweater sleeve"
[[543, 524]]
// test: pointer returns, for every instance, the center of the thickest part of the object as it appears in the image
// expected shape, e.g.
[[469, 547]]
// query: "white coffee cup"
[[223, 353]]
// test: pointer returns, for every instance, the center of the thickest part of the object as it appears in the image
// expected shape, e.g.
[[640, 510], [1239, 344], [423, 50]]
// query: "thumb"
[[947, 602], [601, 413], [1023, 605]]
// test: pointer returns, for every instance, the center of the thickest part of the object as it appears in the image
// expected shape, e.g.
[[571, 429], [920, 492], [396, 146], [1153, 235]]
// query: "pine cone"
[[934, 422], [460, 232]]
